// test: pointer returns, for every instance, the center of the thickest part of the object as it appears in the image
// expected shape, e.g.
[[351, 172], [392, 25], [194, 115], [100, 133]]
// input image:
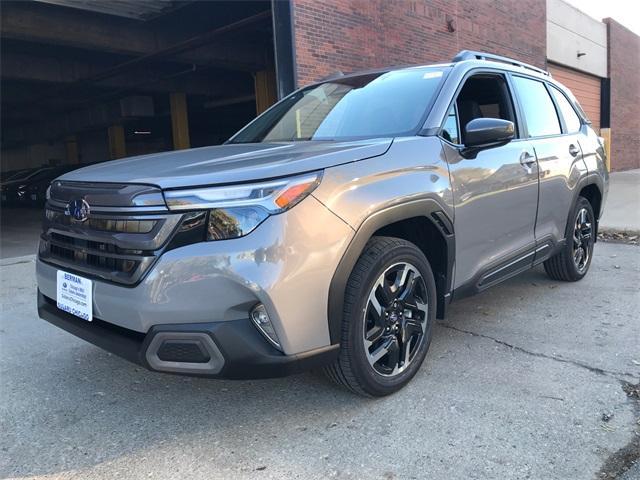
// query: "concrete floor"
[[622, 211], [515, 386], [19, 231]]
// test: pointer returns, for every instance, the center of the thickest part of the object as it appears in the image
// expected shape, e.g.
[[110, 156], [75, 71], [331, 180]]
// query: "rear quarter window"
[[571, 119]]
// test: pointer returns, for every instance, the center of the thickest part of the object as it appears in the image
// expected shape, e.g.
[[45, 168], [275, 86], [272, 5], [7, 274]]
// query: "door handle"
[[526, 159], [573, 150]]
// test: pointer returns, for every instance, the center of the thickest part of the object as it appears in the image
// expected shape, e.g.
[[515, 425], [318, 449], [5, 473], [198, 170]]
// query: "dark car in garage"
[[10, 187], [17, 192], [35, 190], [14, 174]]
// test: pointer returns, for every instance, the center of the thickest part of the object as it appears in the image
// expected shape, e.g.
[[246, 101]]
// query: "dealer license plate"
[[74, 295]]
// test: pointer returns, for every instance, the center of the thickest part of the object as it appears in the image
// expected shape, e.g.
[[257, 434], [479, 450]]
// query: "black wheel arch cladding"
[[428, 208]]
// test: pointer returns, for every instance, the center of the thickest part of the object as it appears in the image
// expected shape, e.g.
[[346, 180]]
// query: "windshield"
[[387, 104]]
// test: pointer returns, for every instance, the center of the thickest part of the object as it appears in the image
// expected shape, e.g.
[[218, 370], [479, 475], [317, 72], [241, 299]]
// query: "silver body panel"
[[560, 173], [413, 168], [499, 208], [495, 200]]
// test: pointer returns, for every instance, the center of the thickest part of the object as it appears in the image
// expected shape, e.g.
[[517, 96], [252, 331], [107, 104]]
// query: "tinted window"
[[450, 129], [539, 111], [569, 115], [484, 96], [373, 105]]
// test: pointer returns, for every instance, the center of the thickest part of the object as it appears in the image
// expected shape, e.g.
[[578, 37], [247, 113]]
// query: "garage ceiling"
[[136, 9]]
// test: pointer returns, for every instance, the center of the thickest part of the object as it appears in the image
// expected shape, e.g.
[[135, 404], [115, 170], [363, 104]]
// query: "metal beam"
[[139, 10], [49, 69], [284, 46]]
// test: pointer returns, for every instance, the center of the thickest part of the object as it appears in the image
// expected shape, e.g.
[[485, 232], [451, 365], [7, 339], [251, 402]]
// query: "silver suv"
[[332, 230]]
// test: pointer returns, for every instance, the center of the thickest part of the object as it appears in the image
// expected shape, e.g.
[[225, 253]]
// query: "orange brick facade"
[[624, 72], [351, 35]]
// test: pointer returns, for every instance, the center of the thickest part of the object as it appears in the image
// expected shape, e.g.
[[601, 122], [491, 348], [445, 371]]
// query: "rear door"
[[553, 128]]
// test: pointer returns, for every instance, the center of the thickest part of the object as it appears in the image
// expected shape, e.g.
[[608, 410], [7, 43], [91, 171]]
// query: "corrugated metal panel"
[[585, 87], [137, 9]]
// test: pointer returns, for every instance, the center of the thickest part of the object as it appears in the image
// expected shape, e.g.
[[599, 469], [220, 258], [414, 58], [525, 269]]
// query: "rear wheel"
[[388, 316], [573, 261]]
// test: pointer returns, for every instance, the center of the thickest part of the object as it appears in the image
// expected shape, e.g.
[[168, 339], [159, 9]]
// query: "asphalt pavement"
[[531, 379]]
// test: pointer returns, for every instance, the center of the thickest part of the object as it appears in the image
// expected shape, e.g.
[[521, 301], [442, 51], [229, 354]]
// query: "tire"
[[389, 268], [569, 265]]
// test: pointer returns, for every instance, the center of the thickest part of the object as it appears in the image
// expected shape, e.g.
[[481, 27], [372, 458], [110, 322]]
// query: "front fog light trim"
[[260, 318]]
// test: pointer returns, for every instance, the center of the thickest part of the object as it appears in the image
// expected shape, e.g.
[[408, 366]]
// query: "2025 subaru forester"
[[332, 230]]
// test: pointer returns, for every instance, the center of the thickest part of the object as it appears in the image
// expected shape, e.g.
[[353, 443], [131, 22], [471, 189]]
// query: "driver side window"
[[482, 96]]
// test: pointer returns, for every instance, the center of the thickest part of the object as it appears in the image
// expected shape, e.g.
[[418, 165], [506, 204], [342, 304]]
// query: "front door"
[[495, 194]]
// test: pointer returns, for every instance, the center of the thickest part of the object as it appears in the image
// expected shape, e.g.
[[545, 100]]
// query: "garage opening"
[[93, 81], [84, 82]]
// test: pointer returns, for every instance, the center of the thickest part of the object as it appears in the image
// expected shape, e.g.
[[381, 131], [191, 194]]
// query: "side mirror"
[[488, 132]]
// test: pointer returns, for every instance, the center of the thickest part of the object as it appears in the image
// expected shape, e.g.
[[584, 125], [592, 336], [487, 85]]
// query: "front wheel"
[[388, 318], [573, 261]]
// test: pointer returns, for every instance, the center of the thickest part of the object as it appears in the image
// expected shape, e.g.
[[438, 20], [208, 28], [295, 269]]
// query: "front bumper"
[[286, 264], [233, 349]]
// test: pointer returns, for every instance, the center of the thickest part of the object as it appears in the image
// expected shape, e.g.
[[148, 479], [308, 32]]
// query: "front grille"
[[118, 248], [104, 224], [80, 249], [101, 256], [127, 229]]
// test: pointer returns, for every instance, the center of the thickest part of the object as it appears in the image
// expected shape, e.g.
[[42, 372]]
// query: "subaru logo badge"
[[78, 209]]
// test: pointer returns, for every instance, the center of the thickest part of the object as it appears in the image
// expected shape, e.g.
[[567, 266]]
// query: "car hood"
[[229, 163]]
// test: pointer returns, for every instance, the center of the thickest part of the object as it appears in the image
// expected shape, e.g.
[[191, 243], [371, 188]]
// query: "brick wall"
[[350, 35], [624, 72]]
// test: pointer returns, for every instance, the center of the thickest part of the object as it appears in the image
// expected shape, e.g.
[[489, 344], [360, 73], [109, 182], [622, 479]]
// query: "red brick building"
[[351, 35], [624, 79]]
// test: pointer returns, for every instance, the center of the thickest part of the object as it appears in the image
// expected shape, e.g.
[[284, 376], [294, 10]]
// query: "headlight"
[[236, 210], [274, 196], [227, 223]]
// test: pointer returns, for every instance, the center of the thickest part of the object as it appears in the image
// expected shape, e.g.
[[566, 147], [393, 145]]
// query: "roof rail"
[[471, 55]]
